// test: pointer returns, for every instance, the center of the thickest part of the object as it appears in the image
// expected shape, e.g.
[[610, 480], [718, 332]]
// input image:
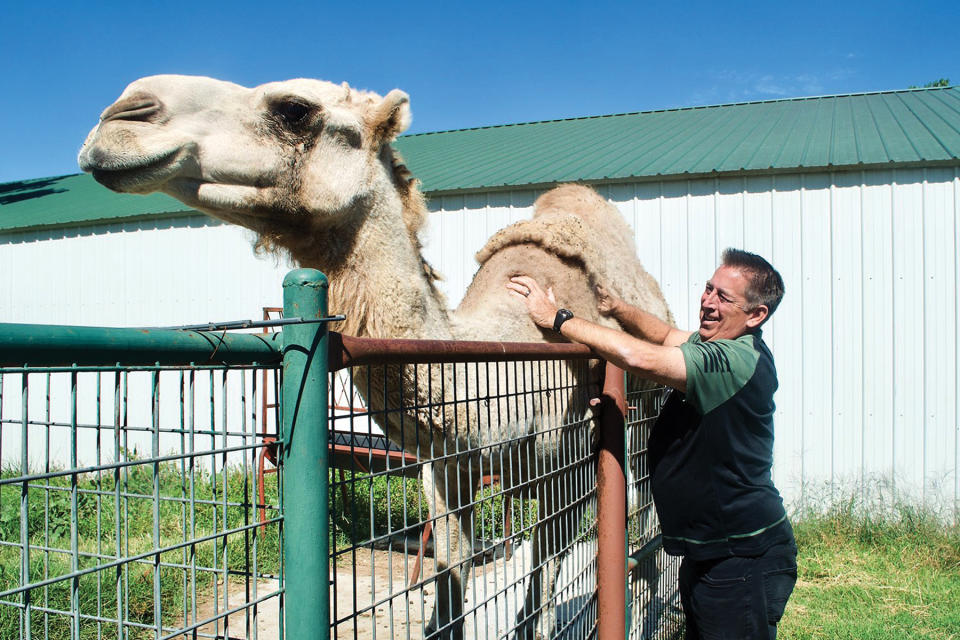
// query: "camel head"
[[283, 158]]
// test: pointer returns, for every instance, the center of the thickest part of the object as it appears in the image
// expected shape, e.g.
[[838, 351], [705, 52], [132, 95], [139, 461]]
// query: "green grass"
[[869, 577], [50, 513], [373, 507], [861, 576]]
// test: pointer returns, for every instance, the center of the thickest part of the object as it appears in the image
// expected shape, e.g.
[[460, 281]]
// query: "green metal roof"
[[874, 129], [74, 200], [894, 128]]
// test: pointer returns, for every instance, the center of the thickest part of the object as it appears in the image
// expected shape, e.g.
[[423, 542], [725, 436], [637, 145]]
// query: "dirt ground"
[[373, 583]]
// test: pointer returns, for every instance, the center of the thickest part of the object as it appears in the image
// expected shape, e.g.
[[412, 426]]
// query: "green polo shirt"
[[711, 452]]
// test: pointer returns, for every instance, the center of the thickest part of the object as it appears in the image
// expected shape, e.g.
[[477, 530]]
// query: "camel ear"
[[391, 117]]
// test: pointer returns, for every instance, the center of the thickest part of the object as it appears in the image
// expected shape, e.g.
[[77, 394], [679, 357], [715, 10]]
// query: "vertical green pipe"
[[305, 458], [74, 513], [26, 625]]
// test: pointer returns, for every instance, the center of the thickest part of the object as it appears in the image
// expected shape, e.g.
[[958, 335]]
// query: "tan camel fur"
[[308, 166]]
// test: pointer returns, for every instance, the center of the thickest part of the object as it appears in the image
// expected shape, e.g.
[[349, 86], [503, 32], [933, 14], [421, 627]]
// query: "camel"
[[308, 166]]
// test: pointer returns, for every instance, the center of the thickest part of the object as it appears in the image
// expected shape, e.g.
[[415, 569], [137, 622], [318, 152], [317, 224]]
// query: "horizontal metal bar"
[[647, 550], [253, 324], [149, 368], [46, 345], [87, 617], [130, 463], [129, 559], [223, 614], [349, 351], [148, 562], [129, 495], [128, 428]]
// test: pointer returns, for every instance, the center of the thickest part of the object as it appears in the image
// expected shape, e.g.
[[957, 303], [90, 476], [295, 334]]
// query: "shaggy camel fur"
[[308, 166]]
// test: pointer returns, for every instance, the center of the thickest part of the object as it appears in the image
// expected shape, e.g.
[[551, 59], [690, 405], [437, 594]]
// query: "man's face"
[[723, 306]]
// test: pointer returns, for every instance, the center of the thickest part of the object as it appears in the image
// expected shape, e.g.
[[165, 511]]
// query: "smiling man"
[[711, 449]]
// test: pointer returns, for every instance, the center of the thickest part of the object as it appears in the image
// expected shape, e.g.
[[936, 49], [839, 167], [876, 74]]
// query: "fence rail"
[[422, 488]]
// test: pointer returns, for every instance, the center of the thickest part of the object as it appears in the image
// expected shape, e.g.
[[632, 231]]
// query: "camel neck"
[[378, 282]]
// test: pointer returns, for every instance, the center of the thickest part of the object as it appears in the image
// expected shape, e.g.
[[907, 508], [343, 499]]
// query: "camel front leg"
[[559, 515], [450, 493]]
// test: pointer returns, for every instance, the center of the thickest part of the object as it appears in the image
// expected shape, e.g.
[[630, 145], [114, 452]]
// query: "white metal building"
[[855, 199]]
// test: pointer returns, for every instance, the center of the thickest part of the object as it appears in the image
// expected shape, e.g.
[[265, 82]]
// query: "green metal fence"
[[132, 457], [653, 602], [128, 488]]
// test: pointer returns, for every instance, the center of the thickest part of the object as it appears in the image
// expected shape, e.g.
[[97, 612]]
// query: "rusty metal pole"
[[612, 510]]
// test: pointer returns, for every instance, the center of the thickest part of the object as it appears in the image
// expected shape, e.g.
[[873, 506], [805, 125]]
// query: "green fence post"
[[306, 461]]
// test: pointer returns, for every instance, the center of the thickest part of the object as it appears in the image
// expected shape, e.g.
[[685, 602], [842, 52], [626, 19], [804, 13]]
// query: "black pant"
[[738, 598]]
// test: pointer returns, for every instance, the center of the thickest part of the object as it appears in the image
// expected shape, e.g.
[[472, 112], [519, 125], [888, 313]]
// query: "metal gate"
[[451, 490], [519, 551], [127, 504]]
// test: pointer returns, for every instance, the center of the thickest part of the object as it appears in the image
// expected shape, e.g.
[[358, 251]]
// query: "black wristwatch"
[[562, 316]]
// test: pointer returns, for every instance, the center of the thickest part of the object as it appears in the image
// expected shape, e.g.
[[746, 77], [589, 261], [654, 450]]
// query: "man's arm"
[[662, 364], [638, 322]]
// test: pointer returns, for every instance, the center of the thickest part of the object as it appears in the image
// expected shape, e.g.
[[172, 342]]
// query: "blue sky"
[[463, 64]]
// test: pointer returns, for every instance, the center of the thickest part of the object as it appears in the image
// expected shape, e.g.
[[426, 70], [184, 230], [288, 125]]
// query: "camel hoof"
[[531, 631], [526, 632], [450, 632]]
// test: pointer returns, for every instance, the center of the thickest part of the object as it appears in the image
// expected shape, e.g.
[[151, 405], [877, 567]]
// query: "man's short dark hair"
[[764, 286]]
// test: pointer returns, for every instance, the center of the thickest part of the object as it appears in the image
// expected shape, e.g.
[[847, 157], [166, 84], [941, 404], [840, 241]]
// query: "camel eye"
[[290, 112]]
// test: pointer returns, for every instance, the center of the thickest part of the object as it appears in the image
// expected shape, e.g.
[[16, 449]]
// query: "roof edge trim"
[[676, 109], [678, 177]]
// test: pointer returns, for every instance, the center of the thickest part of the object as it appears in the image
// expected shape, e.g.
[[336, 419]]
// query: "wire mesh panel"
[[654, 610], [463, 501], [462, 481], [128, 501]]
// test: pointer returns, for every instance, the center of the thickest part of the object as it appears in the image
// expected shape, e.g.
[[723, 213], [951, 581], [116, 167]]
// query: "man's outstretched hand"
[[541, 305], [607, 303]]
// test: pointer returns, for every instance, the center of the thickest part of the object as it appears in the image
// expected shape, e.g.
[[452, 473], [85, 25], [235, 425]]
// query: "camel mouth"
[[235, 202], [142, 177]]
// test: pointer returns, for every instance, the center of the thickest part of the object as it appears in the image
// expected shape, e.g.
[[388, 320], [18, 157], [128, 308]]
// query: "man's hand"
[[652, 361], [542, 306], [607, 303]]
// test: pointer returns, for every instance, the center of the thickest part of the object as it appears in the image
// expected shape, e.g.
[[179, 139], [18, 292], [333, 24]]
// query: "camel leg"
[[451, 497], [551, 540]]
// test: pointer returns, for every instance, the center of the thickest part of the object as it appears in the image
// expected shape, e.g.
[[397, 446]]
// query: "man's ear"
[[390, 118], [757, 315]]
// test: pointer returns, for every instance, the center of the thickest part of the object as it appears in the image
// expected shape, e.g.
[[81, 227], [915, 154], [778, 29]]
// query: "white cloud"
[[768, 85], [730, 85]]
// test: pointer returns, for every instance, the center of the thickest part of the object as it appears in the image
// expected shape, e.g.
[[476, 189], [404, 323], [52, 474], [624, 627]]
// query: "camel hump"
[[583, 202], [575, 223], [563, 235], [571, 221]]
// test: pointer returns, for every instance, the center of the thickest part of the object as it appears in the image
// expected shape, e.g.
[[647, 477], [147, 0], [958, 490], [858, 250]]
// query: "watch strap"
[[562, 316]]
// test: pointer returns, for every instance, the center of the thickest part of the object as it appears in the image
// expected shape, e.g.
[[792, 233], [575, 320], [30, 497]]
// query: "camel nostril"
[[142, 107]]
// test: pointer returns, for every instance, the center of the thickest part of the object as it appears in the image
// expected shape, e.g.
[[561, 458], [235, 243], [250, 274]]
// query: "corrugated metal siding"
[[866, 338], [160, 273]]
